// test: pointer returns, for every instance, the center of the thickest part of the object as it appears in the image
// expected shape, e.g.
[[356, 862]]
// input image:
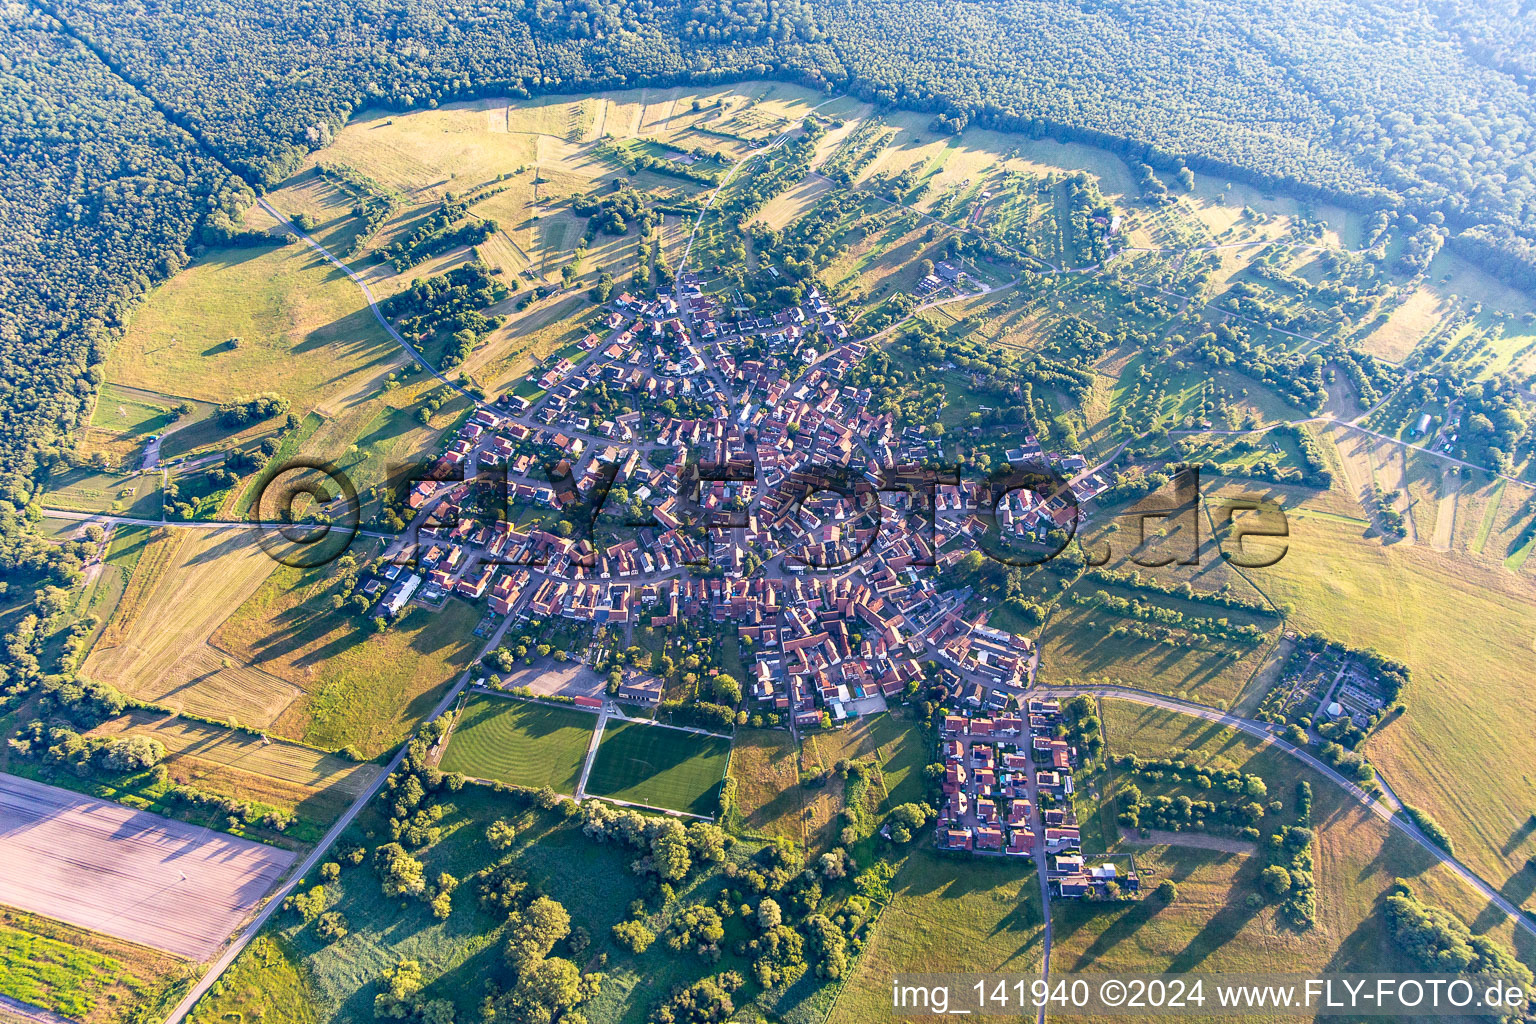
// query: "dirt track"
[[127, 873]]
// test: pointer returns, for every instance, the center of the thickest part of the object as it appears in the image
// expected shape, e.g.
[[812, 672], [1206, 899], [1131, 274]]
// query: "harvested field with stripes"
[[137, 876], [237, 764], [157, 647]]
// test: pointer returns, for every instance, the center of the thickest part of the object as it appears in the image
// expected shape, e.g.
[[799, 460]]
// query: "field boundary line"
[[683, 728], [541, 701], [591, 758], [653, 807], [492, 784]]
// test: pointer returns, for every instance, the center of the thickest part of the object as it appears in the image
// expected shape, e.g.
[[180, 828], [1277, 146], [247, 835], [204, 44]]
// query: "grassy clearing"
[[201, 431], [660, 767], [947, 913], [1407, 325], [80, 974], [301, 329], [367, 439], [892, 752], [265, 979], [529, 336], [88, 490], [360, 688], [765, 765], [99, 599], [1075, 645], [520, 742], [893, 744]]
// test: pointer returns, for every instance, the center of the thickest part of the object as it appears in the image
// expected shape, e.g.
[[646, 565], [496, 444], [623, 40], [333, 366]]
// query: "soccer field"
[[520, 742], [660, 767]]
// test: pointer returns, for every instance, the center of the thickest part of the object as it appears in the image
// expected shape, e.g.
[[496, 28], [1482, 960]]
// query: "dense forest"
[[1372, 102], [99, 196]]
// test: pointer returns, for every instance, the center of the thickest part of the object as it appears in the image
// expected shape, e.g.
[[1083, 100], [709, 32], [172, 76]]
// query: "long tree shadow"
[[232, 540], [1364, 949], [1123, 927], [1181, 864], [1520, 835], [1221, 929], [1517, 889]]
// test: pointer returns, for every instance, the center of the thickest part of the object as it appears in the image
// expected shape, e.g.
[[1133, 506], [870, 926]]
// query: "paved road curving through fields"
[[1389, 808]]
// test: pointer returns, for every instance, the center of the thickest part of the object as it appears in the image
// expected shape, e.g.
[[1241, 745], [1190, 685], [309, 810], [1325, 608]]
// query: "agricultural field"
[[893, 751], [794, 791], [1454, 621], [157, 645], [240, 322], [105, 586], [209, 624], [519, 742], [359, 688], [947, 914], [314, 785], [123, 422], [111, 493], [658, 766], [1077, 644], [132, 875], [1212, 925]]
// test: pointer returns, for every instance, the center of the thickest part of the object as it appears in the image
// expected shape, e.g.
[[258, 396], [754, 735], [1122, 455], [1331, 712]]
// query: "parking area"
[[547, 677]]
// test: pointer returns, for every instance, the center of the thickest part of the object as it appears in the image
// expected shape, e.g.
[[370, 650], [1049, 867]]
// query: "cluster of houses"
[[1008, 792], [756, 508], [995, 770]]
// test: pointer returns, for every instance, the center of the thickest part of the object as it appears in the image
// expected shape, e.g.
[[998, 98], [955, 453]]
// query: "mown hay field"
[[157, 647]]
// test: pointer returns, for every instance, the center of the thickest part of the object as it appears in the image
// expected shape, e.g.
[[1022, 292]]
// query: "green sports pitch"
[[519, 742], [660, 767]]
